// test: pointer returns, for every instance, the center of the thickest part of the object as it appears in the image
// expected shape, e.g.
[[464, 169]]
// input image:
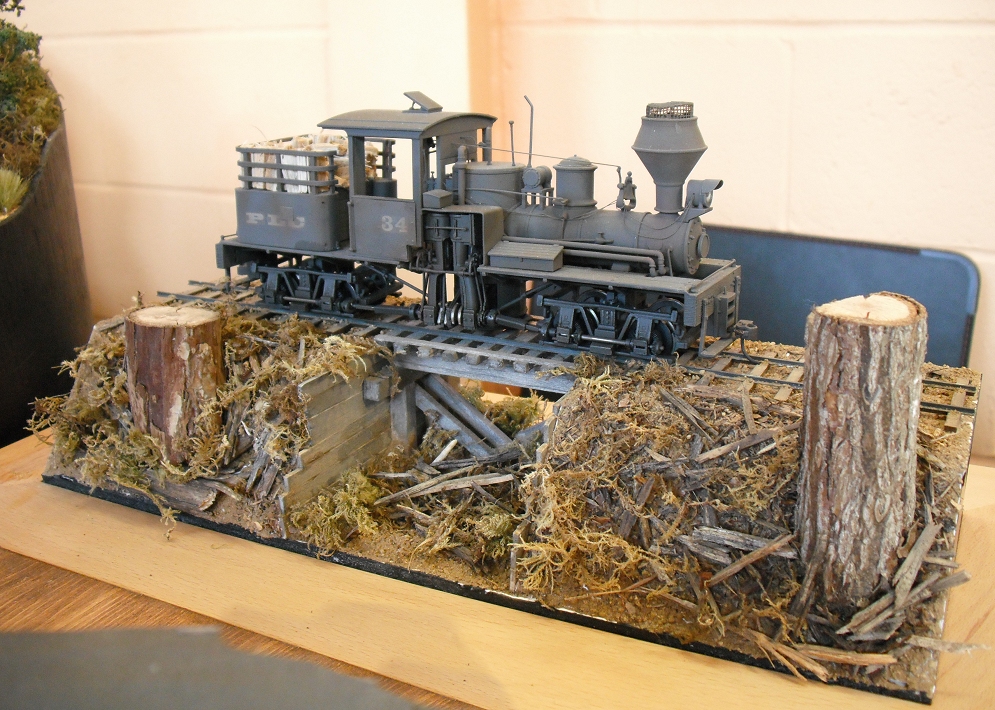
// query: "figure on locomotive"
[[494, 243]]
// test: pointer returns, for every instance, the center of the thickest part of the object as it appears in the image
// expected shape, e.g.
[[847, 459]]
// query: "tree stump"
[[174, 370], [857, 484]]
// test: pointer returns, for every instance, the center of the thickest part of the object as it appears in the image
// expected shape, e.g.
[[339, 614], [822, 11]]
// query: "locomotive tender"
[[495, 244]]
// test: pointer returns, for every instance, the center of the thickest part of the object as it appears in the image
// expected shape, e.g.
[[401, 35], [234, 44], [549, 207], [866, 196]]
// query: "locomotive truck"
[[495, 244]]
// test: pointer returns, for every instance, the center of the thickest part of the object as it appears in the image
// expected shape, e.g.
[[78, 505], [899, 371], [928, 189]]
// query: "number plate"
[[384, 227]]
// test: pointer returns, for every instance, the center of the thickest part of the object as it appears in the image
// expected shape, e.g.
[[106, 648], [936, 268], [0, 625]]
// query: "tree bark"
[[856, 487], [174, 370]]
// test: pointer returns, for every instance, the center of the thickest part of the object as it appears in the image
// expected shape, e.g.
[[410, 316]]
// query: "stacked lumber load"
[[325, 148]]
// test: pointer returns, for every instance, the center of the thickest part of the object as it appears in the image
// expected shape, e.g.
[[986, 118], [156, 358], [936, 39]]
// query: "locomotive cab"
[[383, 227]]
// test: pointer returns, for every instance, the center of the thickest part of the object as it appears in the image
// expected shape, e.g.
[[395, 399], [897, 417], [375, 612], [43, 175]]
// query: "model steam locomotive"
[[494, 243]]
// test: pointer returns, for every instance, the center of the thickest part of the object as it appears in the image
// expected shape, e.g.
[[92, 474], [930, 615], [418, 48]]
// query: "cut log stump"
[[856, 488], [174, 370]]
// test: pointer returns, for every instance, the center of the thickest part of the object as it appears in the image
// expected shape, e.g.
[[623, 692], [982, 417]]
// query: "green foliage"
[[12, 189], [15, 6], [29, 104]]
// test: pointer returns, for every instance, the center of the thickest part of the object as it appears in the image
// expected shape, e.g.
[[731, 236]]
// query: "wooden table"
[[73, 562], [36, 596]]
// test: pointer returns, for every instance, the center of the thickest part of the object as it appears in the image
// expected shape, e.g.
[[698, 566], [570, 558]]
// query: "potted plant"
[[44, 300]]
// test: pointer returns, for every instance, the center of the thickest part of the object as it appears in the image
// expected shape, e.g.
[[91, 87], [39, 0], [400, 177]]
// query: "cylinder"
[[575, 181], [497, 184], [857, 483]]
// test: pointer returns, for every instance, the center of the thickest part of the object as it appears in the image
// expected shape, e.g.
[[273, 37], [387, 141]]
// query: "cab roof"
[[411, 124]]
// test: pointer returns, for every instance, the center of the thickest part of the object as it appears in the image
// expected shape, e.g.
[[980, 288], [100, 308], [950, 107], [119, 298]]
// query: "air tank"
[[497, 184], [575, 181], [669, 144]]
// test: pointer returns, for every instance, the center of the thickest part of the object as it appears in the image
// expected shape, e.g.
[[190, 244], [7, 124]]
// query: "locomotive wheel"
[[662, 343]]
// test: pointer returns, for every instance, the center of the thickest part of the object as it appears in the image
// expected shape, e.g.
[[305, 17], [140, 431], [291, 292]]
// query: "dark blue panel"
[[785, 275]]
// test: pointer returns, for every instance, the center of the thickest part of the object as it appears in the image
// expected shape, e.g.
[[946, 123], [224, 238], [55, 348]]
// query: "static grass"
[[12, 190]]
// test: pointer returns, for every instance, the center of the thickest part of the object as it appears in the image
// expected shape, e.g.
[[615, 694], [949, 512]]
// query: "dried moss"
[[325, 520], [509, 414], [261, 407], [615, 436]]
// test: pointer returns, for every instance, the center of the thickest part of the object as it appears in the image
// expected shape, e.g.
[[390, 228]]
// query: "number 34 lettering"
[[388, 224]]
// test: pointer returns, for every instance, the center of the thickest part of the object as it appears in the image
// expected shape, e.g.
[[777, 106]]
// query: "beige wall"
[[859, 120], [157, 96]]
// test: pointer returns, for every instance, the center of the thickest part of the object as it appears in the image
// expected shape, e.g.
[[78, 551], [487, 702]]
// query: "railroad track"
[[519, 359]]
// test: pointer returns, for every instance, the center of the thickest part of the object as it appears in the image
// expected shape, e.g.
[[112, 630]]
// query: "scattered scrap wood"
[[749, 559], [632, 506], [423, 486], [739, 541], [850, 658], [907, 572], [745, 442], [945, 646]]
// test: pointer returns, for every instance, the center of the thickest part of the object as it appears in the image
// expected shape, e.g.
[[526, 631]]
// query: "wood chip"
[[803, 598], [414, 490], [729, 396], [882, 631], [738, 540], [749, 559], [953, 580], [949, 564], [484, 479], [428, 470], [445, 452], [712, 554], [789, 656], [690, 606], [691, 414], [850, 658], [490, 498], [746, 442], [867, 613], [511, 454], [390, 476], [945, 646], [906, 575], [919, 593], [641, 583], [417, 515], [517, 538], [747, 404]]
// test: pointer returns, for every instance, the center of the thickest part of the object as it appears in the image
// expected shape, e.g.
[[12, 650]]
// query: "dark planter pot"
[[44, 300]]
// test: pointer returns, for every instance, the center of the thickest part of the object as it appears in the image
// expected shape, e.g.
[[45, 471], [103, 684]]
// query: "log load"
[[856, 487], [174, 367]]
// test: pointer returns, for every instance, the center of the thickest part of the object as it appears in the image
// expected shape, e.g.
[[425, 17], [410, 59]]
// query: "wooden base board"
[[483, 654], [140, 502]]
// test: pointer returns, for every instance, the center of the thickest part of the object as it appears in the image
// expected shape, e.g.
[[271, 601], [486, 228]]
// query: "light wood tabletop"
[[73, 562], [36, 596]]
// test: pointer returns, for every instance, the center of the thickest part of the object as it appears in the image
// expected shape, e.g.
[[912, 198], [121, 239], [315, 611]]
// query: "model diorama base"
[[699, 491]]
